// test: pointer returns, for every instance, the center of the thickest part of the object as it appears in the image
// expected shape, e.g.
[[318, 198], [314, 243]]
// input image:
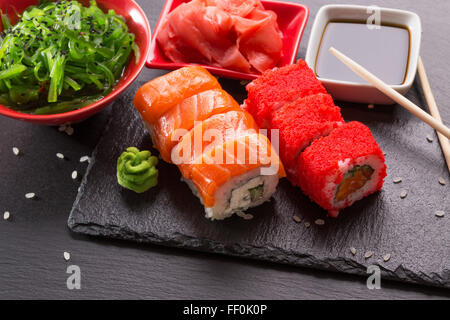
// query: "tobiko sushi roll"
[[280, 86], [341, 168], [300, 123]]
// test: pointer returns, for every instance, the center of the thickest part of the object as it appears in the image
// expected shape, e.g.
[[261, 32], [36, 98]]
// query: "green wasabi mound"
[[136, 170]]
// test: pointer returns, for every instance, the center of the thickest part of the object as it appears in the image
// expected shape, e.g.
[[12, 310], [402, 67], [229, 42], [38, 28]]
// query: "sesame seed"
[[368, 254], [74, 174], [353, 250], [397, 180], [387, 257], [442, 181], [84, 159], [403, 194], [307, 224], [297, 218], [30, 195], [16, 151], [319, 222], [439, 213], [6, 215], [62, 128], [66, 256], [430, 138], [371, 106], [60, 155], [69, 130]]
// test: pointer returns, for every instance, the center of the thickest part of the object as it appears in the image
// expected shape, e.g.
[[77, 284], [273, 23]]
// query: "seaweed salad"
[[61, 56]]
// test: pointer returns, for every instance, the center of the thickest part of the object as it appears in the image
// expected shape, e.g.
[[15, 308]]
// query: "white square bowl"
[[360, 92]]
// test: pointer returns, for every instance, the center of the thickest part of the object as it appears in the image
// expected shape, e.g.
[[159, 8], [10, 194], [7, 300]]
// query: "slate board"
[[418, 241]]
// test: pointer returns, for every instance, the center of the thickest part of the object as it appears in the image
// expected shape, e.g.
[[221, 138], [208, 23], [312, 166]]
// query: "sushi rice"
[[250, 189]]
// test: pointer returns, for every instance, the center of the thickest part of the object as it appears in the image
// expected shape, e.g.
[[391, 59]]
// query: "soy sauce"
[[384, 51]]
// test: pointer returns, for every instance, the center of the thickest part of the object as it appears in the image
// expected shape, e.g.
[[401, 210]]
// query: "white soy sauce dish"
[[384, 41]]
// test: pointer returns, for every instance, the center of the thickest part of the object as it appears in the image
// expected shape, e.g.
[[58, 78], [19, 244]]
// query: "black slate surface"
[[33, 240], [418, 241]]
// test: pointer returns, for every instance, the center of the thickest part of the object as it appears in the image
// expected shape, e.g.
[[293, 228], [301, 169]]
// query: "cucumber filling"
[[247, 194], [353, 180], [256, 193]]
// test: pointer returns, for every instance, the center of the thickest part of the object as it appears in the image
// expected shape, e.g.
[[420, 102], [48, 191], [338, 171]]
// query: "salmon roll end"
[[228, 188], [242, 192]]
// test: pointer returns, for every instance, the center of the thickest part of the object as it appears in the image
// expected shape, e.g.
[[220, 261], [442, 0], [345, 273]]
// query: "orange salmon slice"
[[159, 95], [209, 133], [229, 160], [169, 128]]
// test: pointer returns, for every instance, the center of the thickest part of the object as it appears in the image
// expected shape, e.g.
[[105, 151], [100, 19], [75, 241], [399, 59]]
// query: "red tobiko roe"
[[277, 87]]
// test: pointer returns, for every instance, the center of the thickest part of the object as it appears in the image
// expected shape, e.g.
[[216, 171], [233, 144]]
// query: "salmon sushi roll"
[[237, 175], [209, 133], [169, 128], [159, 95], [300, 123], [342, 168], [280, 86]]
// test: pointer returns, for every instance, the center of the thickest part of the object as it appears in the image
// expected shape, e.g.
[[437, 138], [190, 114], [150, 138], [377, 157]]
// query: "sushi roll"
[[159, 95], [341, 168], [209, 133], [300, 123], [167, 131], [234, 167], [237, 175], [280, 86]]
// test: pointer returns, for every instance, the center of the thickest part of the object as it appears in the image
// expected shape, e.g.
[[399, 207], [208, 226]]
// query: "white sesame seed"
[[368, 254], [74, 174], [387, 257], [442, 181], [84, 159], [297, 218], [430, 138], [62, 128], [66, 256], [403, 194], [6, 215], [30, 195], [397, 180], [60, 155], [16, 151], [439, 213], [307, 224], [319, 222], [69, 130], [371, 106], [353, 250]]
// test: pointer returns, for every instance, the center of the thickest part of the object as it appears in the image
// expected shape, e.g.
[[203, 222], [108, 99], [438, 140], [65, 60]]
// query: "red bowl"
[[292, 19], [137, 23]]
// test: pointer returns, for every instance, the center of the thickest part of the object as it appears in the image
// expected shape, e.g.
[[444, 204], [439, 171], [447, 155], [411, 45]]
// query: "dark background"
[[32, 242]]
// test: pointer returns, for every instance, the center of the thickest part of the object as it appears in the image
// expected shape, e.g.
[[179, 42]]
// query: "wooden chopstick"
[[445, 144], [391, 93]]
